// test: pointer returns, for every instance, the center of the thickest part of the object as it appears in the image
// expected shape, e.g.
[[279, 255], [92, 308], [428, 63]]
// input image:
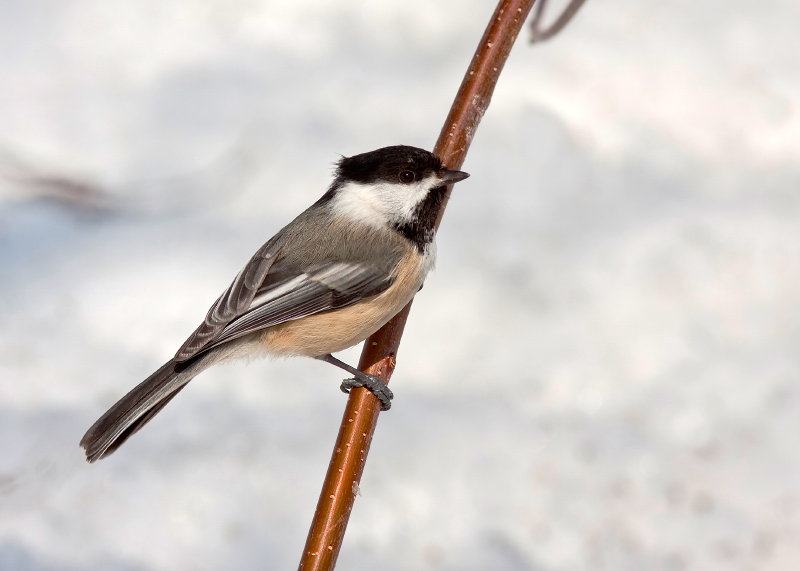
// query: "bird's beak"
[[449, 176]]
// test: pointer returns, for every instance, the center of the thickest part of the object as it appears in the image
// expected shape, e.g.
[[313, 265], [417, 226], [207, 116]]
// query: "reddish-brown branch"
[[378, 356]]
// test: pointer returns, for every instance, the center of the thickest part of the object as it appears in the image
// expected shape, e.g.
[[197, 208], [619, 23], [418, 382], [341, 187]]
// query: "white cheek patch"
[[383, 203]]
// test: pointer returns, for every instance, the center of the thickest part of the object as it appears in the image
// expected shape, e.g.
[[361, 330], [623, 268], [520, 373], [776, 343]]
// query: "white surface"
[[602, 373]]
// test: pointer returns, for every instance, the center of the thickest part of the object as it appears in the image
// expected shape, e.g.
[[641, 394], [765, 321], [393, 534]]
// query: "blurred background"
[[602, 373]]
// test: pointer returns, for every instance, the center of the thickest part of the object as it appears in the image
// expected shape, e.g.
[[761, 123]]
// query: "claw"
[[348, 384]]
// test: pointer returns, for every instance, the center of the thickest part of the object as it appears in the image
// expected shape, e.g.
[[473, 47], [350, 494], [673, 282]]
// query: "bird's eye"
[[406, 176]]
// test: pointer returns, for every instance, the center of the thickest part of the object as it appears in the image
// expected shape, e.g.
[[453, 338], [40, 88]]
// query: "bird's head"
[[400, 187]]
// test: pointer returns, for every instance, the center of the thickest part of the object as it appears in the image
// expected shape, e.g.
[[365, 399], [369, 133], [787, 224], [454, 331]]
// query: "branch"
[[378, 356], [539, 35]]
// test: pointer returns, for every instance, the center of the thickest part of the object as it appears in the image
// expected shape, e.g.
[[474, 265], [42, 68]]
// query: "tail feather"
[[134, 428], [135, 409]]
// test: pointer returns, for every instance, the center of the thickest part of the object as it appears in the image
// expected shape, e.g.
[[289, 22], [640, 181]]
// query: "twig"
[[68, 190], [540, 35], [378, 356]]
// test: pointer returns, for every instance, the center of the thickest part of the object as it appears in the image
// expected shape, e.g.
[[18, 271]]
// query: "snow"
[[602, 373]]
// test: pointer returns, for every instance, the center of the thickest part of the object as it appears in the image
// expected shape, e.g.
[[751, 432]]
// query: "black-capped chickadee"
[[328, 280]]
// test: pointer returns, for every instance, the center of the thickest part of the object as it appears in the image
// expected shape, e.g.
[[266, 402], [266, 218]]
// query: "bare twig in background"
[[540, 35], [378, 355], [186, 191], [69, 190]]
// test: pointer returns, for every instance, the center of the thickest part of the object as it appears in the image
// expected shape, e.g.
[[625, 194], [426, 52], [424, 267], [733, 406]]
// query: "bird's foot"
[[373, 384]]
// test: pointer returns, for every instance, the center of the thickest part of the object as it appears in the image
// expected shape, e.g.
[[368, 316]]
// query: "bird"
[[325, 282]]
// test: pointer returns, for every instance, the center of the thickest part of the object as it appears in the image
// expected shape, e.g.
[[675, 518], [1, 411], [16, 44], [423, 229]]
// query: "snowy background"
[[603, 372]]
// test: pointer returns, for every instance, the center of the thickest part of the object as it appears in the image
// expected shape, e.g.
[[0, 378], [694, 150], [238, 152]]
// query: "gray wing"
[[234, 301], [282, 293], [320, 288]]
